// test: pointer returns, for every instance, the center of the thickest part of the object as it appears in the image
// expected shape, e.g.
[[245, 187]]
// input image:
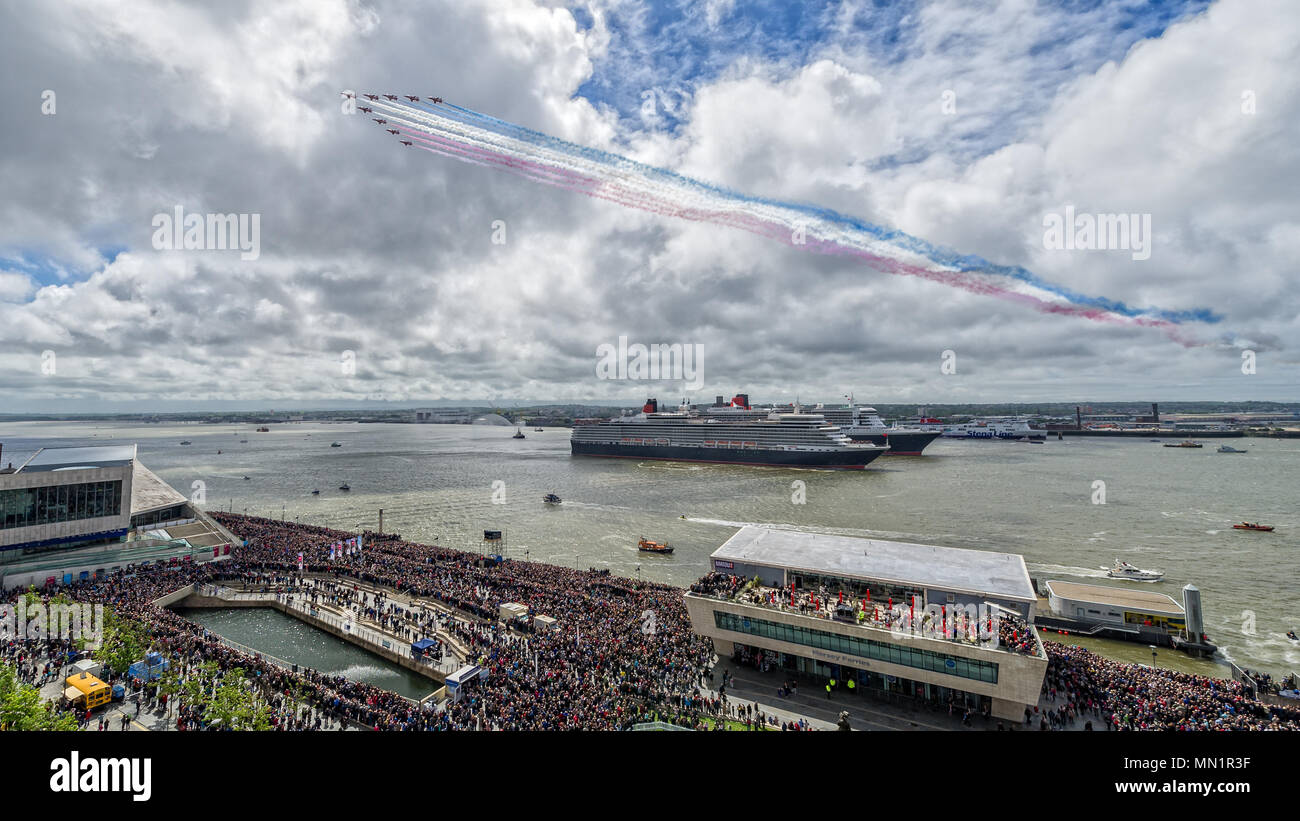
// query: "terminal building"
[[76, 512], [821, 645]]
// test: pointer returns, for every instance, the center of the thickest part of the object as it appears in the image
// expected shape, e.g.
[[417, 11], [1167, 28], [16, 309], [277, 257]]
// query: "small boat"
[[1155, 440], [245, 478], [243, 441], [186, 442], [646, 546], [263, 430], [1188, 444], [335, 445], [1253, 526], [345, 486], [551, 499], [683, 516], [315, 493], [218, 453], [1229, 449], [1291, 635], [1124, 570], [537, 430], [519, 434]]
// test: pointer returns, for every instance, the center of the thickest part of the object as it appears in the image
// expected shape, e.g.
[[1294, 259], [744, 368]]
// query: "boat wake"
[[1067, 570]]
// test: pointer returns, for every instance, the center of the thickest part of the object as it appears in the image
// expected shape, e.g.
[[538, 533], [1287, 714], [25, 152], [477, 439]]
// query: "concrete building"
[[77, 512], [442, 416], [928, 666], [1132, 610]]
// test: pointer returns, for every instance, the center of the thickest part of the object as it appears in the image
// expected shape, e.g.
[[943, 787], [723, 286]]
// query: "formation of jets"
[[394, 98]]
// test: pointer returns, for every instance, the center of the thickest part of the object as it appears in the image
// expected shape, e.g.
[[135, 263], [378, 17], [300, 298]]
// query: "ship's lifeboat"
[[647, 546]]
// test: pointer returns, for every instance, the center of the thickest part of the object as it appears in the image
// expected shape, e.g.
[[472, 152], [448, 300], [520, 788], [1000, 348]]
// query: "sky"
[[383, 274]]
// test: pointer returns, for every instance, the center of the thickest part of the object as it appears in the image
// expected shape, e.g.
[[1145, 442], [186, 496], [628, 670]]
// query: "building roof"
[[1143, 600], [102, 456], [954, 569], [149, 493]]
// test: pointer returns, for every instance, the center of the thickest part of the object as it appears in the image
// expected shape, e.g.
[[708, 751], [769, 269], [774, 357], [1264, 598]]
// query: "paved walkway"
[[748, 686]]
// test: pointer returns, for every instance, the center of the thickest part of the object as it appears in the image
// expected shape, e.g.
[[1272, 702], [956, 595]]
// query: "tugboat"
[[1187, 444], [1253, 526], [519, 434], [1124, 570], [646, 546], [345, 486], [551, 499]]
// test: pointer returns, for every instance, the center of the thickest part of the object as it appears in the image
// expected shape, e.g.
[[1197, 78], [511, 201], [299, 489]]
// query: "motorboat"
[[1229, 449], [335, 445], [537, 430], [315, 493], [245, 478], [647, 546], [551, 499], [1124, 570], [1253, 526], [186, 442], [345, 486], [263, 430]]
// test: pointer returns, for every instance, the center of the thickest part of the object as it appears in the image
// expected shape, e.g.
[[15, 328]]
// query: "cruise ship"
[[778, 439], [861, 423]]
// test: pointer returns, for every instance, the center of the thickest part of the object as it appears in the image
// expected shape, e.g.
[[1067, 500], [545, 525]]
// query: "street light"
[[1153, 654]]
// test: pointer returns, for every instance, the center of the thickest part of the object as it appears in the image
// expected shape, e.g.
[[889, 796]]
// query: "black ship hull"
[[900, 444], [848, 459]]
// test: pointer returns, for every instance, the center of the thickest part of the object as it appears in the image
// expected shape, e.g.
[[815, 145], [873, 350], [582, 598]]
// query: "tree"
[[124, 642], [22, 708]]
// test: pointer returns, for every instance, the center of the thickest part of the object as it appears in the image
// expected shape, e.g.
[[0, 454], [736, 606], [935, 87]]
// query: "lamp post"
[[1153, 654]]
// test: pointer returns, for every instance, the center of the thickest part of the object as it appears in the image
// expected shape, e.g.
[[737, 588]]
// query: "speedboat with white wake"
[[1124, 570]]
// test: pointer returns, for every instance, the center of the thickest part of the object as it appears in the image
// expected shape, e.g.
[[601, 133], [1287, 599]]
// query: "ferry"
[[1253, 526], [994, 429], [646, 546], [805, 440], [1124, 570]]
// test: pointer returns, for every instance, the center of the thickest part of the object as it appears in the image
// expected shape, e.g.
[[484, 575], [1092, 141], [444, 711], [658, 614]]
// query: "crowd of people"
[[1123, 696], [605, 666]]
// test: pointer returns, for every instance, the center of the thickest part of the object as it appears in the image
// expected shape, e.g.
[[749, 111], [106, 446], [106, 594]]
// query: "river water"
[[1165, 508]]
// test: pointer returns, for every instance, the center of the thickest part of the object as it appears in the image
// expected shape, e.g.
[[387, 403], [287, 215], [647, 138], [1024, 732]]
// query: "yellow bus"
[[86, 691]]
